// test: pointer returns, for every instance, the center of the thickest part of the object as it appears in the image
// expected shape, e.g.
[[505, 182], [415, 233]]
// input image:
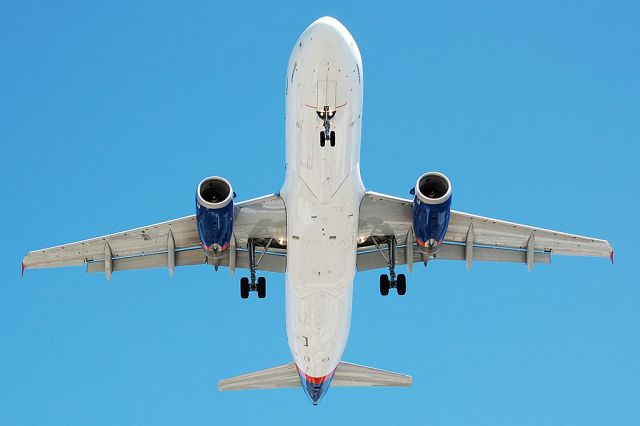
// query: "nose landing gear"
[[324, 137], [327, 134]]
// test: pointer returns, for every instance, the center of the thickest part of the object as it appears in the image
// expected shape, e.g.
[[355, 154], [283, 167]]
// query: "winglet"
[[23, 269], [611, 256]]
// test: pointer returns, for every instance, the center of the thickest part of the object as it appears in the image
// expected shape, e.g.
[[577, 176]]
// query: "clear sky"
[[111, 113]]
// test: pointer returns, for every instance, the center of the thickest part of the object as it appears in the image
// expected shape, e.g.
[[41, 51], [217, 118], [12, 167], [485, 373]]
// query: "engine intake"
[[431, 210], [214, 214]]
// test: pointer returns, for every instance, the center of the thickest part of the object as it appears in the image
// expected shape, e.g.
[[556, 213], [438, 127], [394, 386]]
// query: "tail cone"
[[315, 387]]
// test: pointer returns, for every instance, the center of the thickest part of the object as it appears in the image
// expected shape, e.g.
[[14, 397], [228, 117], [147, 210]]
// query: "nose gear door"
[[326, 97], [326, 109]]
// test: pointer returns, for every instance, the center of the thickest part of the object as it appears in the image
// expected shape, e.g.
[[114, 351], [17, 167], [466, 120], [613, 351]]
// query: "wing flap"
[[270, 261], [373, 259]]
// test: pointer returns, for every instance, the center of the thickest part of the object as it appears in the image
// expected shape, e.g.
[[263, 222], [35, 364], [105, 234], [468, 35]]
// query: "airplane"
[[321, 227]]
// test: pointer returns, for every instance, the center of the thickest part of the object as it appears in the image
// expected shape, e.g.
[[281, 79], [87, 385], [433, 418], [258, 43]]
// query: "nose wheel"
[[249, 284], [327, 136]]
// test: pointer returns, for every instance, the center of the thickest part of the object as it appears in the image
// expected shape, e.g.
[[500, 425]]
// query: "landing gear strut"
[[248, 285], [327, 134], [399, 282]]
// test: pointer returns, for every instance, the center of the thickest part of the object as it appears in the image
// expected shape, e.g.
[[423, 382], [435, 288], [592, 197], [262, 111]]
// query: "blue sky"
[[110, 114]]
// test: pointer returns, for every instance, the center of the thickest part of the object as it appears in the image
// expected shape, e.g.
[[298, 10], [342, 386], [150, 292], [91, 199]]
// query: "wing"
[[175, 243], [469, 237]]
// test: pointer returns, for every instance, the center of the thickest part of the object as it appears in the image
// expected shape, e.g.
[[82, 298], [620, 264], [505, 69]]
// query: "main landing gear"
[[259, 285], [399, 282]]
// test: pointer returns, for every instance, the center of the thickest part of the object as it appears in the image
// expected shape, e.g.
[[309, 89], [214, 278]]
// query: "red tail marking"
[[315, 380]]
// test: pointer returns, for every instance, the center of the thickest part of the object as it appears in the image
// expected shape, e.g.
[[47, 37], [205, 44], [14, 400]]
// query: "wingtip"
[[611, 256], [23, 268]]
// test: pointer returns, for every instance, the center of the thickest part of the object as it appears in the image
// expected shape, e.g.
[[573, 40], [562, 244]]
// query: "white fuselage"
[[322, 193]]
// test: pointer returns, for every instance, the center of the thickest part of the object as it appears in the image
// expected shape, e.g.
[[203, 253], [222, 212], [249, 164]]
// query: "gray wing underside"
[[491, 239], [265, 218], [150, 246]]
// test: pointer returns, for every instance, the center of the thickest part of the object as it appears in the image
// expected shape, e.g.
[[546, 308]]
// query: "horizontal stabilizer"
[[283, 376], [286, 376], [348, 374]]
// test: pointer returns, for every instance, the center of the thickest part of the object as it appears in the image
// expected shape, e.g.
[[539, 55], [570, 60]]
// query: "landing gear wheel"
[[333, 138], [322, 139], [244, 287], [262, 287], [384, 284], [401, 284]]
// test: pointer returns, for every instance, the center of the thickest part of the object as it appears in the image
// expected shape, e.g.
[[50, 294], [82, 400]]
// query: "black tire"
[[244, 287], [322, 139], [384, 285], [401, 284], [333, 138], [262, 287]]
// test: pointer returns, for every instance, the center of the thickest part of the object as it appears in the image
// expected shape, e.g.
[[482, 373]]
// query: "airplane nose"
[[326, 31], [327, 22]]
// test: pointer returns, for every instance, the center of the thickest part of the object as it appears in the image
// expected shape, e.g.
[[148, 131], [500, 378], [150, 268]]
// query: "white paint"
[[322, 193]]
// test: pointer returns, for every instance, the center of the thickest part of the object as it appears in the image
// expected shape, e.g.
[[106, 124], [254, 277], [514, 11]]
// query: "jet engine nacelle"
[[214, 214], [431, 210]]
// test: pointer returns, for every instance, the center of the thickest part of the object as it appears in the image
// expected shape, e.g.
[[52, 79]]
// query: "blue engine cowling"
[[431, 210], [214, 214]]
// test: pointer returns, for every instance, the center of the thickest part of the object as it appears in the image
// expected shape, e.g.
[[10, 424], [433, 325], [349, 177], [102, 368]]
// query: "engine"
[[214, 214], [431, 210]]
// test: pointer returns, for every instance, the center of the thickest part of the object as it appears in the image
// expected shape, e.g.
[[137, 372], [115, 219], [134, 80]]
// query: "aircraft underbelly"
[[322, 193]]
